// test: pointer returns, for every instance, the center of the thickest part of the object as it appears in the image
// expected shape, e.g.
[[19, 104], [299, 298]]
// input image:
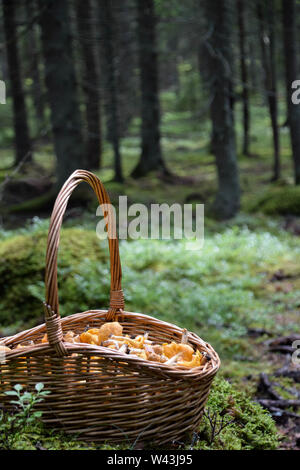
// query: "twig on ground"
[[15, 171], [265, 386], [278, 403], [216, 425]]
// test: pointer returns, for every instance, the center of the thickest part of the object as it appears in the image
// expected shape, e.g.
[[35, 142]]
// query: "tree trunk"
[[291, 73], [22, 139], [254, 72], [151, 156], [217, 56], [90, 85], [125, 49], [244, 75], [107, 30], [268, 63], [33, 54], [61, 87]]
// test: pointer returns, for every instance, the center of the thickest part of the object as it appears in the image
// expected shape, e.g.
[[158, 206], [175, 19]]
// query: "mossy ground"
[[279, 199], [22, 269]]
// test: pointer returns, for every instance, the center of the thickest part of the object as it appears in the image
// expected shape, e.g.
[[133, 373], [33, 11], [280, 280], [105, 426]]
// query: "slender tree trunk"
[[253, 68], [217, 60], [173, 48], [22, 140], [291, 73], [151, 156], [61, 87], [33, 54], [268, 62], [274, 104], [107, 30], [244, 75], [3, 58], [90, 81], [126, 62]]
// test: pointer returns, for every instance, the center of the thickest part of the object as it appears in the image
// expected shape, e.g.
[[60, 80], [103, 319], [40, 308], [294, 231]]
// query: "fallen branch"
[[256, 332], [288, 371], [283, 340], [279, 412], [278, 403], [282, 349], [16, 170], [290, 390], [265, 386]]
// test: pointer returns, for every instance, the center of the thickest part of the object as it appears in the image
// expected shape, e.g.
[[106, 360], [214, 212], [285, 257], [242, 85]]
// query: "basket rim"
[[206, 371]]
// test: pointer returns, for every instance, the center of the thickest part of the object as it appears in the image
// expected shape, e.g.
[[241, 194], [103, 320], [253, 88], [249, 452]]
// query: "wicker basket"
[[99, 394]]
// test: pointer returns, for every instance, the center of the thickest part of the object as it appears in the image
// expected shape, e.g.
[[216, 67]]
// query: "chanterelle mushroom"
[[173, 360], [194, 362], [69, 337], [153, 356], [171, 349], [89, 337], [109, 329]]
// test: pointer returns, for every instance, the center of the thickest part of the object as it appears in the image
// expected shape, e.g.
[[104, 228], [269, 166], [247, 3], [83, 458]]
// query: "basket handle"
[[52, 316]]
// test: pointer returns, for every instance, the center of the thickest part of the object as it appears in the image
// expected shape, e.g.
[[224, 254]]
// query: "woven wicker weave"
[[97, 393]]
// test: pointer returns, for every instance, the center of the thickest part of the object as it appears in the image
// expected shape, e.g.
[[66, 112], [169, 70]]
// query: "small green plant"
[[13, 425]]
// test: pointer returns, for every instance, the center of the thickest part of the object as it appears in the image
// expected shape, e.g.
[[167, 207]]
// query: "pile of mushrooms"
[[111, 336]]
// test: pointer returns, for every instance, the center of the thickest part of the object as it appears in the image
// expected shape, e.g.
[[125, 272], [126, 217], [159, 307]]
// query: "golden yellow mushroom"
[[194, 362], [69, 337], [154, 356], [170, 350], [108, 329], [90, 338], [157, 348]]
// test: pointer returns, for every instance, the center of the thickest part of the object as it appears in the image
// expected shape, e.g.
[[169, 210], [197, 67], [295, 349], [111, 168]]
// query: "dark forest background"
[[113, 85]]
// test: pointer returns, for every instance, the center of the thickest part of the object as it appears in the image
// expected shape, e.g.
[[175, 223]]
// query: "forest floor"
[[240, 292]]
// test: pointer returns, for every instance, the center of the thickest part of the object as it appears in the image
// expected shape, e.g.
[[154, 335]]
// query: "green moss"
[[37, 438], [278, 200], [252, 428], [22, 268]]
